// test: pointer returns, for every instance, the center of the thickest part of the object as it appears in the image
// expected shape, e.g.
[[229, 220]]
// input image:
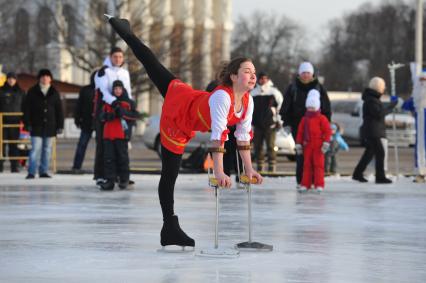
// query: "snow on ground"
[[65, 229]]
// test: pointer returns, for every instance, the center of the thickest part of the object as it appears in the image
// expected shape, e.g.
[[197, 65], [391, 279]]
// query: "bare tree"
[[273, 42], [364, 42]]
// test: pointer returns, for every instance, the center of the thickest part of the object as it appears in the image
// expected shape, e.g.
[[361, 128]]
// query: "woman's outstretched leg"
[[160, 75]]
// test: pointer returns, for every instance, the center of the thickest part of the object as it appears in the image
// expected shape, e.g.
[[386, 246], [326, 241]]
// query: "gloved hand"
[[299, 149], [325, 146], [394, 98], [59, 131], [108, 116], [115, 104]]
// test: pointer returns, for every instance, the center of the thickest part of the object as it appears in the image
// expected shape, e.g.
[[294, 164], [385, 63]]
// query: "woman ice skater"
[[185, 111]]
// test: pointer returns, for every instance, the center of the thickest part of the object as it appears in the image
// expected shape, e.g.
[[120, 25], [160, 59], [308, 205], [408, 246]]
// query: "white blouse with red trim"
[[220, 102]]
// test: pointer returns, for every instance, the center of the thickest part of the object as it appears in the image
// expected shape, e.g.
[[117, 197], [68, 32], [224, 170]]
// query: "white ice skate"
[[318, 190], [302, 189]]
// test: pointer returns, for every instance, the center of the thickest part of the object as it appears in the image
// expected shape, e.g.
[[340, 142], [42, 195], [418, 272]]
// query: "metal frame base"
[[219, 253], [254, 247]]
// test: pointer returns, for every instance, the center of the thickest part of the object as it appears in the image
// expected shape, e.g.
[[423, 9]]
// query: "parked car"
[[348, 114], [284, 143]]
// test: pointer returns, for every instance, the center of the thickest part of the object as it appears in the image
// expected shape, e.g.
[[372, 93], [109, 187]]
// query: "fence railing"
[[19, 141]]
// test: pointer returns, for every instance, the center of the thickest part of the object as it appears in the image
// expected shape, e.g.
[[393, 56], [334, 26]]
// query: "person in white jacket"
[[111, 71], [267, 102]]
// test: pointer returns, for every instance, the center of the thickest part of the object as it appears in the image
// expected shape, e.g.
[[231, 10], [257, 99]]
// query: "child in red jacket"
[[313, 140], [116, 137]]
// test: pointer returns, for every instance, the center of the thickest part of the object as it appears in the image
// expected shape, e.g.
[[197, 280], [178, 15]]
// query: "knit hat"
[[306, 67], [117, 83], [44, 72], [313, 99], [11, 75]]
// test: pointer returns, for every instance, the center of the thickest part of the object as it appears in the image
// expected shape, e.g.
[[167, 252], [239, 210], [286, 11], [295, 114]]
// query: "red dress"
[[186, 110], [313, 130]]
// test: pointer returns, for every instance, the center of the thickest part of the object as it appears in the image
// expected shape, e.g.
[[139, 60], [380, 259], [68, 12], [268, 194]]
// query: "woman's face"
[[245, 79]]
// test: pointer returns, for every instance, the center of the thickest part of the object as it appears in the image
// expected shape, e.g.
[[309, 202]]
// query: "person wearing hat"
[[267, 101], [373, 130], [116, 136], [293, 108], [313, 141], [11, 97], [44, 119], [111, 71]]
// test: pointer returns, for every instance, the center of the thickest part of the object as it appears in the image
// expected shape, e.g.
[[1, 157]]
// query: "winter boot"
[[123, 184], [172, 234], [107, 186], [419, 179], [359, 178], [383, 180]]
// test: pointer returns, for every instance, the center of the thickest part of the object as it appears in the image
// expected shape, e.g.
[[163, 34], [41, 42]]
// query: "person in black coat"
[[83, 119], [11, 97], [293, 108], [373, 129], [44, 119]]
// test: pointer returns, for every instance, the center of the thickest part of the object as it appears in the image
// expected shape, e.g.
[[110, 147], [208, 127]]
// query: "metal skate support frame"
[[216, 251], [249, 245]]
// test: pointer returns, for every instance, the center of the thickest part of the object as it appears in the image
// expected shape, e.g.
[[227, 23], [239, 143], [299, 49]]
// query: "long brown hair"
[[231, 69]]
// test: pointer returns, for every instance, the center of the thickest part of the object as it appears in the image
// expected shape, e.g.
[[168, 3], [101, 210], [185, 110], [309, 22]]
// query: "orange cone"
[[208, 163]]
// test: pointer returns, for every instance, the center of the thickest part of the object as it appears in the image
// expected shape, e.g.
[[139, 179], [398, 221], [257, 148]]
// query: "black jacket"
[[83, 113], [11, 101], [263, 116], [373, 114], [43, 114], [293, 108]]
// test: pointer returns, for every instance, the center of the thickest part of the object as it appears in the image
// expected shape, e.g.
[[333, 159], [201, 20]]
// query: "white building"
[[196, 34]]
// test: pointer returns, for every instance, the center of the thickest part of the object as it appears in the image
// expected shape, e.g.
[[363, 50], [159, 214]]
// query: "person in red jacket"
[[116, 137], [185, 111], [313, 141]]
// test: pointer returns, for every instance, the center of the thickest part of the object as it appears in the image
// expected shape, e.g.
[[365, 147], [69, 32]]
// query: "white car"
[[284, 143], [348, 114]]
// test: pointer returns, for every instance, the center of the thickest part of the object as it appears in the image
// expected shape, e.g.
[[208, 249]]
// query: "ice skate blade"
[[219, 253], [176, 249], [254, 247], [108, 16]]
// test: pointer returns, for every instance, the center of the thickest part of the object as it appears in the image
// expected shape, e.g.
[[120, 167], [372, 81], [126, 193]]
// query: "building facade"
[[191, 37]]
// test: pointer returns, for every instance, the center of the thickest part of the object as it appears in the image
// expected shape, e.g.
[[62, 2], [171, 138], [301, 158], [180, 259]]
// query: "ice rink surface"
[[65, 230]]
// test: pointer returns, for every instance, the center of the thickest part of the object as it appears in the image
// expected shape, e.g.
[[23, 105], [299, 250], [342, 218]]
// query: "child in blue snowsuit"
[[336, 143]]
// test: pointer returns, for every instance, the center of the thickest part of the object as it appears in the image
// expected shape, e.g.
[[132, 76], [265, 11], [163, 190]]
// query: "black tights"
[[170, 164], [159, 75]]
